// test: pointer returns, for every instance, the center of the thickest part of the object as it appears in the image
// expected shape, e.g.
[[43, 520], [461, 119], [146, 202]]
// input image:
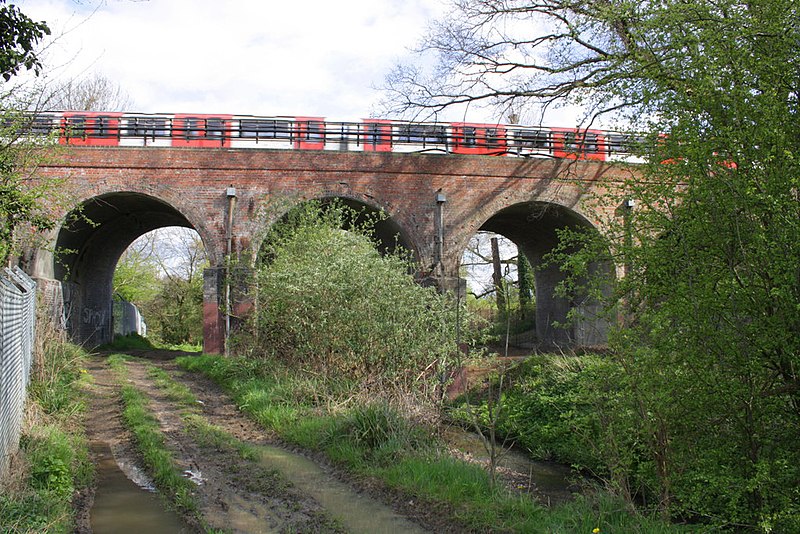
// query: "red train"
[[82, 128]]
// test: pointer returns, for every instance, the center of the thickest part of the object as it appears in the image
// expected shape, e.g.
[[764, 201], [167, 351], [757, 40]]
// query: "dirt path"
[[236, 495]]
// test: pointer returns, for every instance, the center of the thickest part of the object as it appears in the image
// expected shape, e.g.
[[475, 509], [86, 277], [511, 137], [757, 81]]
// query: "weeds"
[[53, 461]]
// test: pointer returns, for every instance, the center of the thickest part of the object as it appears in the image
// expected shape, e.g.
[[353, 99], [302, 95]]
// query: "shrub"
[[329, 302]]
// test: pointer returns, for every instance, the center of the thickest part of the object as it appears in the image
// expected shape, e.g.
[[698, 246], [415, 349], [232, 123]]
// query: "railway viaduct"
[[434, 203]]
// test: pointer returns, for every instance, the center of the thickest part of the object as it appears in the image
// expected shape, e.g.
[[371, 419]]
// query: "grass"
[[53, 461], [374, 441]]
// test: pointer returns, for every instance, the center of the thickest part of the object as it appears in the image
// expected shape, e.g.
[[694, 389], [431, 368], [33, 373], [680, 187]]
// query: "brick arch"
[[385, 231], [89, 247], [532, 225]]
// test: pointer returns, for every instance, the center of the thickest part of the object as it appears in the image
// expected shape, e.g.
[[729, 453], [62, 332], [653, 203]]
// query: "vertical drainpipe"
[[231, 194]]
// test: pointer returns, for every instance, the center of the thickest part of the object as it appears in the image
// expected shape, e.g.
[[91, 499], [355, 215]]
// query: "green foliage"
[[52, 474], [20, 36], [57, 378], [136, 277], [24, 204], [378, 431], [162, 274], [20, 201], [697, 405], [129, 342], [176, 313], [331, 303]]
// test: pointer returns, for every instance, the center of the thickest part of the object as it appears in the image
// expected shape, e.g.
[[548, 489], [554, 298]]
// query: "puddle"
[[122, 506], [551, 480], [356, 512]]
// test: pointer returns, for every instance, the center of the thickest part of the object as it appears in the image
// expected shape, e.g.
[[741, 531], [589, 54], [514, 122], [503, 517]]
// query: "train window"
[[580, 143], [492, 137], [41, 125], [264, 129], [315, 131], [618, 143], [570, 142], [193, 127], [205, 128], [76, 125], [421, 133], [470, 138], [532, 138], [215, 128], [590, 142], [148, 127], [102, 126], [372, 134], [623, 143]]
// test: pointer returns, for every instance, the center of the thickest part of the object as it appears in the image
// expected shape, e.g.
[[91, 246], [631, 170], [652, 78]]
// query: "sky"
[[318, 58]]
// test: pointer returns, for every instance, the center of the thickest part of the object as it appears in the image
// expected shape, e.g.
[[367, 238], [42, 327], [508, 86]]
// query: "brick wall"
[[193, 183]]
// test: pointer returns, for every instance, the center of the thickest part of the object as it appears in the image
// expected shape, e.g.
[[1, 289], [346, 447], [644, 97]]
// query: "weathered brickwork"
[[154, 187]]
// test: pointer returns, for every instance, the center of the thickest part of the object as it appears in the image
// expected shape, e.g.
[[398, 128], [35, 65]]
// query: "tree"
[[91, 93], [330, 303], [162, 273], [137, 275], [710, 345], [19, 203], [20, 35]]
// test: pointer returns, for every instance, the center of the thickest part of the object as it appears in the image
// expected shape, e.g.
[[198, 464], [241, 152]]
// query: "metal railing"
[[17, 328]]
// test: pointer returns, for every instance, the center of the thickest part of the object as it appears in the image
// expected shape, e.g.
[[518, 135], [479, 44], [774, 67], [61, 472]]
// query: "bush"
[[331, 303]]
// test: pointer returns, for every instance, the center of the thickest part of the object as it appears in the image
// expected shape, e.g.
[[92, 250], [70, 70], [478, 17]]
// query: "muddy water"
[[121, 506], [551, 482], [357, 513]]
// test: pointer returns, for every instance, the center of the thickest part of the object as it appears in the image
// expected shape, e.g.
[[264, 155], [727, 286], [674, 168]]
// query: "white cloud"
[[315, 57]]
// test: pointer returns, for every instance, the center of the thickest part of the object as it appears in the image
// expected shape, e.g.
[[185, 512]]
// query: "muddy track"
[[238, 495]]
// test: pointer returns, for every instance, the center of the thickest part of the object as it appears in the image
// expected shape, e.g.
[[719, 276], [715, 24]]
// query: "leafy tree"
[[137, 275], [162, 273], [19, 203], [709, 347], [20, 35]]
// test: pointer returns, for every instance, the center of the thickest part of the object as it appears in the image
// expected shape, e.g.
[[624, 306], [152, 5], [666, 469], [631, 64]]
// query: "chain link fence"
[[17, 326]]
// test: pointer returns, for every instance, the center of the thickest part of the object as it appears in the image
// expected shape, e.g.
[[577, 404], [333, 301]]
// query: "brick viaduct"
[[435, 203]]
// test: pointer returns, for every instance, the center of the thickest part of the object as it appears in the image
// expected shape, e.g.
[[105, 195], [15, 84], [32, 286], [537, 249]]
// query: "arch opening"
[[88, 247], [532, 232], [388, 236]]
